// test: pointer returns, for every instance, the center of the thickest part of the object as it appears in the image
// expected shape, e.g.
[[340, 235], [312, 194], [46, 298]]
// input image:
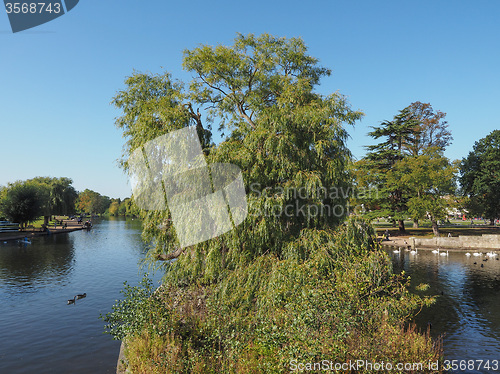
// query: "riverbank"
[[459, 244], [31, 233], [454, 237], [120, 365]]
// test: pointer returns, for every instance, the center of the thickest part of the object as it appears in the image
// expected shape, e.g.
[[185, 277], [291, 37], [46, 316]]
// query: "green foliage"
[[22, 202], [130, 315], [113, 208], [480, 179], [285, 137], [59, 196], [405, 167], [337, 303], [92, 202], [427, 179]]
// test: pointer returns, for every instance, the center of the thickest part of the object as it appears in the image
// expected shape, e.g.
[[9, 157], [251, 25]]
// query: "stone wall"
[[481, 242], [120, 366]]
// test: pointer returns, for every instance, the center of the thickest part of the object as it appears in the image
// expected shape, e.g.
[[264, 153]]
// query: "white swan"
[[491, 254], [435, 250], [467, 254], [444, 253], [397, 250], [414, 252], [477, 254]]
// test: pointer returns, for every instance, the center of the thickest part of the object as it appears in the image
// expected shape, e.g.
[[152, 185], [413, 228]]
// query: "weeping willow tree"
[[294, 279], [288, 140]]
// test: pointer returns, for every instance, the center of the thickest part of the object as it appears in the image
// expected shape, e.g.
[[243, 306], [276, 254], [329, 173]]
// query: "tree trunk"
[[415, 223], [492, 222], [435, 227], [401, 225], [46, 220]]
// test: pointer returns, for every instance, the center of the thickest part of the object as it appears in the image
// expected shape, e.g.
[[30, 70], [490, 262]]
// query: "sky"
[[57, 80]]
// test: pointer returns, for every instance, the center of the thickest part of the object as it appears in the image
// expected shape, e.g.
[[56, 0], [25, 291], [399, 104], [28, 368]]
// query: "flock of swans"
[[444, 254]]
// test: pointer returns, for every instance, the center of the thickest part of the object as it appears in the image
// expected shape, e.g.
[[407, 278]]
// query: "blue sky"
[[57, 80]]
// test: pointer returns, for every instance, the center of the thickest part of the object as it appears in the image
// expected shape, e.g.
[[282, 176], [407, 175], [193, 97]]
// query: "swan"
[[81, 296], [444, 253], [491, 254], [435, 250], [414, 252], [477, 254], [72, 301], [396, 250], [467, 254]]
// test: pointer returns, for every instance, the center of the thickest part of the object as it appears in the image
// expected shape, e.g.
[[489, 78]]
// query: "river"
[[467, 311], [39, 331]]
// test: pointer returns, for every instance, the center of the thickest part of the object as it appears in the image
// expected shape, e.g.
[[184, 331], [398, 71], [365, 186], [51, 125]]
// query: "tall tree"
[[399, 135], [480, 177], [22, 202], [282, 134], [59, 197], [92, 202]]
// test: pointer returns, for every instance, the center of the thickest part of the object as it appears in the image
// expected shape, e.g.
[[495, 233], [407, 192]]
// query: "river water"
[[467, 312], [39, 332]]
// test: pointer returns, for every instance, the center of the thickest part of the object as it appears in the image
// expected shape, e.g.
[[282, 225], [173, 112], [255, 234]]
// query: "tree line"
[[412, 177], [26, 201]]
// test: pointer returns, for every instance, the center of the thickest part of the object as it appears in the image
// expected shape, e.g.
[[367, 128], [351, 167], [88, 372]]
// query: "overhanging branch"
[[171, 255]]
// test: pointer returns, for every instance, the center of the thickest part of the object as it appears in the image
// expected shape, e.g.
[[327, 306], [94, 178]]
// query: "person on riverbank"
[[386, 234]]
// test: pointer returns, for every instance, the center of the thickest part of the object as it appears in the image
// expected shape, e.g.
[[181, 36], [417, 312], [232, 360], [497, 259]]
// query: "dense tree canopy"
[[40, 196], [59, 195], [396, 165], [480, 177], [92, 202], [426, 180], [284, 136], [22, 202]]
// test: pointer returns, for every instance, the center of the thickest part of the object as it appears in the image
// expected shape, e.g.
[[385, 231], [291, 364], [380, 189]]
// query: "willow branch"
[[171, 255]]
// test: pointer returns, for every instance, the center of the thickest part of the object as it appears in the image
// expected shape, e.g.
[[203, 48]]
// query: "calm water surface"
[[39, 332], [467, 312]]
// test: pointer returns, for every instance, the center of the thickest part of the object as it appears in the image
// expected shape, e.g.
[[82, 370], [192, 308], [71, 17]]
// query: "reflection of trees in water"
[[127, 232], [441, 315], [24, 267]]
